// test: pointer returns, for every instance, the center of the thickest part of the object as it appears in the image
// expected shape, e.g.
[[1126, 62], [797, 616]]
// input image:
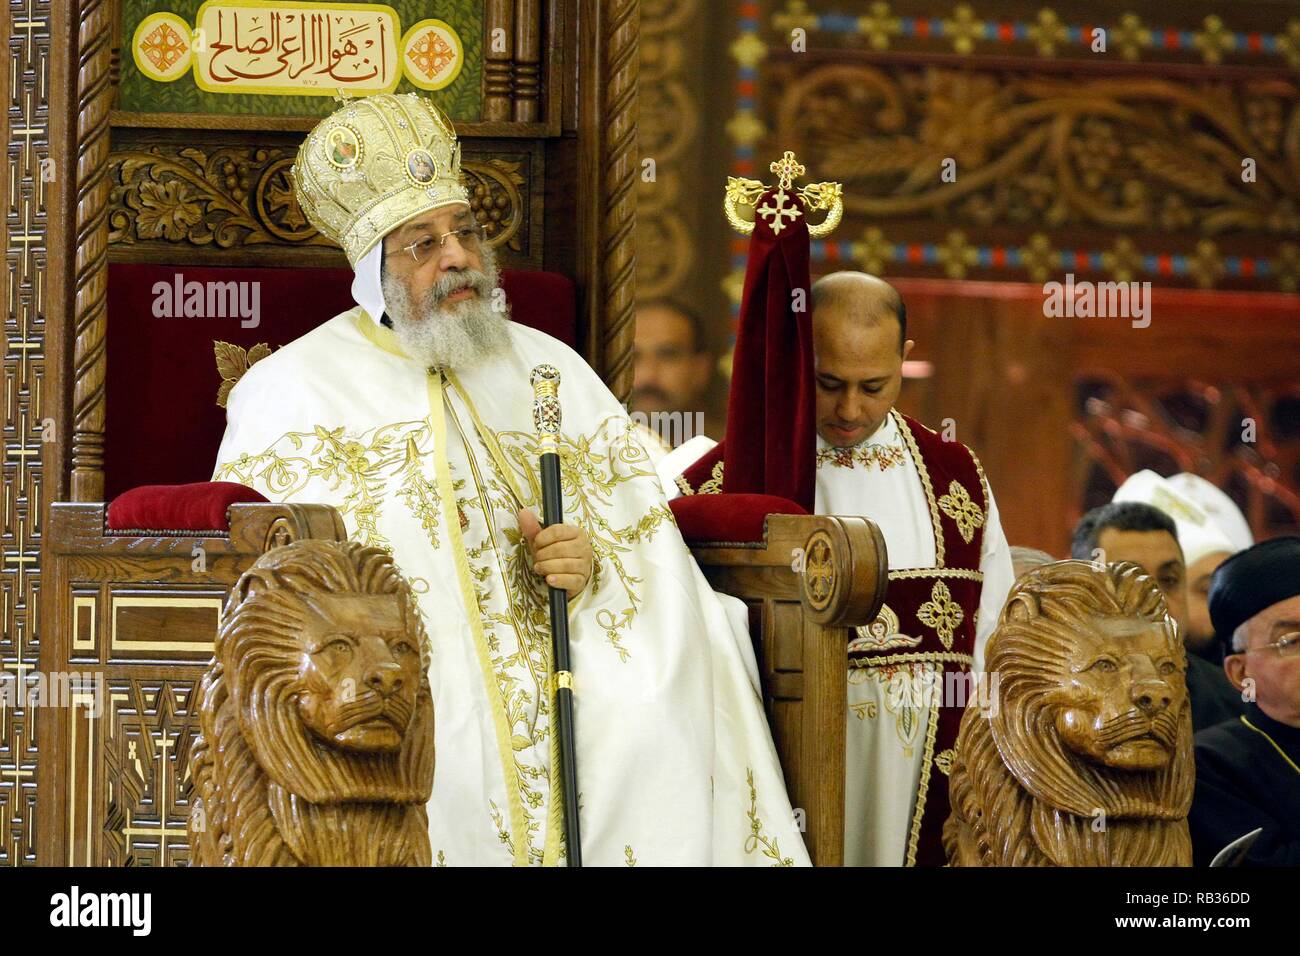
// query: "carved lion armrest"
[[128, 616]]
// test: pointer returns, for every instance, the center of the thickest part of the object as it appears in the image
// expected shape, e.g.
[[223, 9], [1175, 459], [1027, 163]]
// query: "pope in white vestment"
[[412, 414]]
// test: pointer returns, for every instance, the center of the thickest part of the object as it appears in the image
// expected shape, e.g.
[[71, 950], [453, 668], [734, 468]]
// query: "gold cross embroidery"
[[958, 506], [942, 613], [777, 214]]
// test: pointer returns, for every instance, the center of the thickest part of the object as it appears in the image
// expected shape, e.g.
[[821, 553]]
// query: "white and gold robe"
[[675, 759], [879, 480]]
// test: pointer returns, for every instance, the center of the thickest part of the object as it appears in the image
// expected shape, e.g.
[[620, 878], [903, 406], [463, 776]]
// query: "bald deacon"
[[949, 572]]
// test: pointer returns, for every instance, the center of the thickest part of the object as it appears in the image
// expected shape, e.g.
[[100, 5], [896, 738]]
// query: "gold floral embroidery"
[[943, 760], [629, 856], [713, 486], [591, 468], [356, 463], [757, 838], [958, 506], [942, 613], [884, 457], [498, 821], [900, 689]]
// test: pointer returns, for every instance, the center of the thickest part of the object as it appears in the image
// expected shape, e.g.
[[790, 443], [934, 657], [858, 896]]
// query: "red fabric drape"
[[771, 421]]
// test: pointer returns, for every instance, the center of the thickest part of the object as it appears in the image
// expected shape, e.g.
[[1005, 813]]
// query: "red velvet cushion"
[[197, 507], [728, 518], [163, 422]]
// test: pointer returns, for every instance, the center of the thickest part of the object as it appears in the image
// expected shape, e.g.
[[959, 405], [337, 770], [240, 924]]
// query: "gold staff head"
[[748, 192], [546, 404]]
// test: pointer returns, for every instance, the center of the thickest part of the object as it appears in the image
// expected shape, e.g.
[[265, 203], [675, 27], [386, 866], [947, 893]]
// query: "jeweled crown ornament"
[[374, 164], [779, 211]]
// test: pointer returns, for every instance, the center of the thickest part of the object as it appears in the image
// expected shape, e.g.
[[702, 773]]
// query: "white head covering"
[[367, 291], [1223, 511], [1197, 533]]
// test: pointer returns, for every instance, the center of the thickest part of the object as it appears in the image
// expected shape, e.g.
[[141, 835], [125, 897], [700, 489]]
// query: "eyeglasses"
[[1288, 645], [470, 237]]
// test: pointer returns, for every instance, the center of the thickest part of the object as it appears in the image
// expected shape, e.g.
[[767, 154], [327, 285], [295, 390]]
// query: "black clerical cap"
[[1252, 581]]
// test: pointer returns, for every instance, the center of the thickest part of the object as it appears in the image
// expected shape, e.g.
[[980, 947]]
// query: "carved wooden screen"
[[1061, 410], [147, 166], [1122, 163], [1214, 389]]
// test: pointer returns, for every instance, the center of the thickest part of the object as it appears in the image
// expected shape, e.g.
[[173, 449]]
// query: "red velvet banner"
[[771, 414]]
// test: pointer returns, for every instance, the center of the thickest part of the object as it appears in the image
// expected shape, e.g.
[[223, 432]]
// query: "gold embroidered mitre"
[[375, 164]]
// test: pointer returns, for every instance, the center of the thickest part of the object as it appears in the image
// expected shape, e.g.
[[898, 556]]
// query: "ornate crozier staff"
[[546, 419]]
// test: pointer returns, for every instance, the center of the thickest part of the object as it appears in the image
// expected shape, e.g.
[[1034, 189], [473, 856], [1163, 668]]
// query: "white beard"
[[454, 335]]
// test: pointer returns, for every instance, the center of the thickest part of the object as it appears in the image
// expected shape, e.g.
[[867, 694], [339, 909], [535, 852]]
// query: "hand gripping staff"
[[546, 419]]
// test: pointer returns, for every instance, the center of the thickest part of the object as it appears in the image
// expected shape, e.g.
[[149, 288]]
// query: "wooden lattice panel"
[[1244, 439], [26, 86]]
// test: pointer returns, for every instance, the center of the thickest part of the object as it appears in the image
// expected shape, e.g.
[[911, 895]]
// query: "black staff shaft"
[[553, 513]]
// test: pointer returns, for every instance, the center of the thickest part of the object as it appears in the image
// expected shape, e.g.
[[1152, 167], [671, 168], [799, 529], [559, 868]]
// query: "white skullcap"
[[1222, 510], [1197, 533]]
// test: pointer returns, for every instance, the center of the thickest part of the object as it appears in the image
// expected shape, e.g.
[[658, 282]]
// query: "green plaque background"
[[461, 100]]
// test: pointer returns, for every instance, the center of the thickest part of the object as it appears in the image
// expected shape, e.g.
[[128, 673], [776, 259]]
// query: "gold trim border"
[[907, 573]]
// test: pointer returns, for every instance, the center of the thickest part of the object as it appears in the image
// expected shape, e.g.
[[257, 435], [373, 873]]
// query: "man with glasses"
[[412, 414], [1248, 769]]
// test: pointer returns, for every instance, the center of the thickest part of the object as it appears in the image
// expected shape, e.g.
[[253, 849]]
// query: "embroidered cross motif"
[[942, 613], [883, 457], [775, 213], [958, 506]]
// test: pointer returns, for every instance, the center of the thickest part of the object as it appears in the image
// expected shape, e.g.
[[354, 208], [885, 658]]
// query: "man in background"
[[1204, 542], [1248, 769], [1145, 535], [673, 373]]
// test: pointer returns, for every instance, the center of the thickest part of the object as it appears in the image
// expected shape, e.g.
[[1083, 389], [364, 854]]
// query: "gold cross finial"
[[748, 192], [788, 169]]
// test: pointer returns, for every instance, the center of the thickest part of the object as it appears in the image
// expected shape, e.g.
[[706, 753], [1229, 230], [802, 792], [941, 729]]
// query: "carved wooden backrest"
[[810, 580]]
